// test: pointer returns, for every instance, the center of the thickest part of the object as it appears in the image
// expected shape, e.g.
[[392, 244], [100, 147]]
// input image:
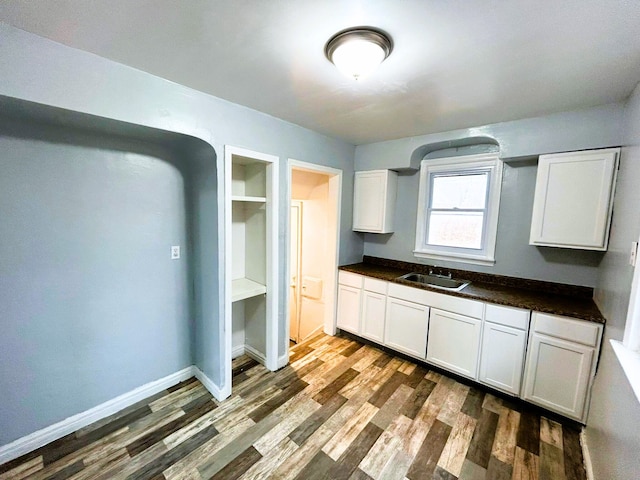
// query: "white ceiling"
[[456, 63]]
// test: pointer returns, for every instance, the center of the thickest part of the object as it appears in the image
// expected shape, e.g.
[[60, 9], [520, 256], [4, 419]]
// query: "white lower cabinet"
[[502, 357], [373, 315], [406, 327], [561, 363], [454, 342], [348, 316]]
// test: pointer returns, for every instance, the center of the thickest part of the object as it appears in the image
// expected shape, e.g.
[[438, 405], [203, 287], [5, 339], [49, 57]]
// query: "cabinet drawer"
[[567, 328], [376, 286], [507, 316], [449, 303], [351, 279]]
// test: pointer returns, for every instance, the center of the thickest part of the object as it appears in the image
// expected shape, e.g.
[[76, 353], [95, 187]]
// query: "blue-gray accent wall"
[[91, 305], [41, 71]]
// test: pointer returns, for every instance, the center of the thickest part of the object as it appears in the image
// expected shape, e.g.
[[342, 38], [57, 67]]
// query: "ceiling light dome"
[[357, 52]]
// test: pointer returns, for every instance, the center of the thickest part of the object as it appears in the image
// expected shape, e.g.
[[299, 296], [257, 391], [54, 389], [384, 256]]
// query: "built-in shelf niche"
[[251, 251]]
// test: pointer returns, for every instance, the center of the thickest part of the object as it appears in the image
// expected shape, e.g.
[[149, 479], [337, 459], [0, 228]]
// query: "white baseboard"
[[237, 351], [69, 425], [255, 354], [283, 361], [586, 455], [217, 392]]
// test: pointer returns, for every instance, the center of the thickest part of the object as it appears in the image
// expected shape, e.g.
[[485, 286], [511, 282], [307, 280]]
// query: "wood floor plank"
[[389, 411], [385, 447], [199, 455], [529, 432], [238, 466], [453, 403], [573, 460], [270, 405], [262, 469], [504, 445], [482, 442], [526, 465], [302, 411], [339, 410], [551, 462], [426, 460], [301, 433], [455, 450], [343, 438], [141, 444], [471, 471], [498, 470], [551, 432], [473, 403], [386, 390], [23, 470], [335, 386], [318, 468], [415, 376], [415, 402], [349, 460], [174, 455]]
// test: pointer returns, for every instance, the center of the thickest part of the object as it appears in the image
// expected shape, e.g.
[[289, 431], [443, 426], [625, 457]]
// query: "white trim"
[[255, 354], [237, 351], [632, 326], [69, 425], [213, 389], [283, 360], [586, 455], [462, 163], [225, 261], [630, 362], [474, 260], [335, 195]]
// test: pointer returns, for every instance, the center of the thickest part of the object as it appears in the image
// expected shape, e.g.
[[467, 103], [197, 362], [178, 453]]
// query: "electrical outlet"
[[634, 254], [175, 252]]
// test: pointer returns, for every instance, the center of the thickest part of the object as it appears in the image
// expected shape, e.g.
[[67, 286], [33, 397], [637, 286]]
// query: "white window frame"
[[467, 163], [628, 351]]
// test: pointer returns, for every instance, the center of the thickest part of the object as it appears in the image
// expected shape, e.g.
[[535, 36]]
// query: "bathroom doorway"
[[314, 202]]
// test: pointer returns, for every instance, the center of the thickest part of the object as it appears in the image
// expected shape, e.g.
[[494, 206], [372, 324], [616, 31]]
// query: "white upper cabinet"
[[374, 200], [574, 198]]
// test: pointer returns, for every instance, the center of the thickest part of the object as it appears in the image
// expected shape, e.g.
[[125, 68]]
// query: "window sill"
[[474, 260], [630, 362]]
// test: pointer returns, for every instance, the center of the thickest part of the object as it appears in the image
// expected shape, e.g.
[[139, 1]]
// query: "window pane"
[[456, 229], [459, 191]]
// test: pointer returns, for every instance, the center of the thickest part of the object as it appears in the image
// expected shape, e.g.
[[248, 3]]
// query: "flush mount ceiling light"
[[357, 52]]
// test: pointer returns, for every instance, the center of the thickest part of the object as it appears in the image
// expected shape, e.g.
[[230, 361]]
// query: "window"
[[458, 208]]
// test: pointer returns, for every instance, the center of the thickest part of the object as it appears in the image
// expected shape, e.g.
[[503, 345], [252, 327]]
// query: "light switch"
[[634, 254], [175, 252]]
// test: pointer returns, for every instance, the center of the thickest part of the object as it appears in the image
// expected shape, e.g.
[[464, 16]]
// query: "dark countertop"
[[558, 299]]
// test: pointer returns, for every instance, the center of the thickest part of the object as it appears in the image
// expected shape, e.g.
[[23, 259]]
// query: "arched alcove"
[[93, 304]]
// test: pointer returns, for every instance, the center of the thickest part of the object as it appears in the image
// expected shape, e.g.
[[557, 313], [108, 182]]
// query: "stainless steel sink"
[[436, 281]]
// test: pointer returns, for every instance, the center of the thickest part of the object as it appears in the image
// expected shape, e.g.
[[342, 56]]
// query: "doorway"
[[314, 208]]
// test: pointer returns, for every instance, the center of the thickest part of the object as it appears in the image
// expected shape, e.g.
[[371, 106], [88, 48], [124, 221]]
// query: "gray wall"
[[39, 70], [613, 432], [514, 255], [91, 306]]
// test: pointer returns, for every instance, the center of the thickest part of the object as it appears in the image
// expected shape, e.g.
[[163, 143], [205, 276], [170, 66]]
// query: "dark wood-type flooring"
[[340, 410]]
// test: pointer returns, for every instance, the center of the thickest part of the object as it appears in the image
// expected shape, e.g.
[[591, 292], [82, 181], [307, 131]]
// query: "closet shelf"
[[244, 288], [245, 198]]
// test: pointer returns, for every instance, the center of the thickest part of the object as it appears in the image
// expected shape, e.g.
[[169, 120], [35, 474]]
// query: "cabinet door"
[[406, 327], [373, 315], [573, 199], [374, 201], [558, 374], [502, 357], [349, 308], [454, 342]]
